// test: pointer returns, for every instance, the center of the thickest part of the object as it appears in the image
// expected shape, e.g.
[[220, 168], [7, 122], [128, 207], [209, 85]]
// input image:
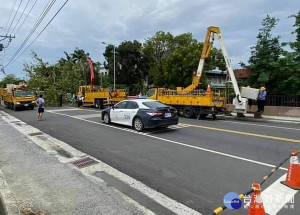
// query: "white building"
[[103, 71]]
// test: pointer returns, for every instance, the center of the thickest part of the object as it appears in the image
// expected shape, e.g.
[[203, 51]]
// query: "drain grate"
[[84, 162], [36, 133]]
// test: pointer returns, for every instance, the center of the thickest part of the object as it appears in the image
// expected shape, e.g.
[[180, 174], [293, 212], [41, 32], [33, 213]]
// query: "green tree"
[[265, 55], [10, 79], [290, 64], [131, 67], [174, 59], [157, 49], [64, 77]]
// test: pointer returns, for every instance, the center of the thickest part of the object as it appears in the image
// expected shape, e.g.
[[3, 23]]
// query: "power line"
[[20, 16], [14, 17], [38, 22], [11, 11], [26, 16], [38, 34]]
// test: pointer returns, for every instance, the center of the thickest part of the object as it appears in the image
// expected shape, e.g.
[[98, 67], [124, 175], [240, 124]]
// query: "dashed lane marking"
[[175, 142], [72, 109], [243, 133], [86, 116], [260, 125]]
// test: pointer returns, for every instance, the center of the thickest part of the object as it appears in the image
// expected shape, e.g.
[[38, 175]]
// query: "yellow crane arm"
[[207, 46]]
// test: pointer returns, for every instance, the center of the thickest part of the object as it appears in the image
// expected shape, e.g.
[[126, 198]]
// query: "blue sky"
[[85, 24]]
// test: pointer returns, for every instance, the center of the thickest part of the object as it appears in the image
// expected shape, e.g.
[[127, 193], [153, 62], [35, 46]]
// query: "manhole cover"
[[36, 133], [84, 162]]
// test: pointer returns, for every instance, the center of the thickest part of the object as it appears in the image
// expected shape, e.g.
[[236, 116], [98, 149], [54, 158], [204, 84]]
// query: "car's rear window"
[[154, 104]]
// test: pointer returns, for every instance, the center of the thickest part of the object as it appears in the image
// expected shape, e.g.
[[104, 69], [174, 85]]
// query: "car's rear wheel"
[[106, 118], [138, 124]]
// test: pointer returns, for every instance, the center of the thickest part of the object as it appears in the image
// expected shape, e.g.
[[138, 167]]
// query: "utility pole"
[[5, 37]]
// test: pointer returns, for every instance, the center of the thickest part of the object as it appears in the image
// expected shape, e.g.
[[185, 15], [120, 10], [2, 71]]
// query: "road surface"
[[196, 162]]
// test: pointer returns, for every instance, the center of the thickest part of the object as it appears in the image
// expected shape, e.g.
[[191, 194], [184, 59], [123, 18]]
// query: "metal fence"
[[288, 101], [278, 100]]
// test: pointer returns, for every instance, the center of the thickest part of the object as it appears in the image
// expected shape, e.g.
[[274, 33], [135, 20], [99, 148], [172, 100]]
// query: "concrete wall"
[[279, 111]]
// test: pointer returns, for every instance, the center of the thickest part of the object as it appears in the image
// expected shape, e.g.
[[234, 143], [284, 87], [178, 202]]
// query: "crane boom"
[[207, 47]]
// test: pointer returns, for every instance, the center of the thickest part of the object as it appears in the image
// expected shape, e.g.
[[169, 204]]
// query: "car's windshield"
[[154, 104], [26, 93]]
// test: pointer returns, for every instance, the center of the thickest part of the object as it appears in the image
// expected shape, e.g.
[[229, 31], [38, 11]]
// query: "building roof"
[[242, 73]]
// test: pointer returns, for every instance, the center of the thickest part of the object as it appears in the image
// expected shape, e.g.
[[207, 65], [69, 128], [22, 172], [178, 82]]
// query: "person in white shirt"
[[41, 108]]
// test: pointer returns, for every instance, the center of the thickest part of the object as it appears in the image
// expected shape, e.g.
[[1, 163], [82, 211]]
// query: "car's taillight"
[[155, 113], [175, 111]]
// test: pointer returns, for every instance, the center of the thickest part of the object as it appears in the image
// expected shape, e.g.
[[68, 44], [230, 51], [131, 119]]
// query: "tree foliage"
[[64, 77], [10, 79], [131, 66], [173, 59], [274, 66]]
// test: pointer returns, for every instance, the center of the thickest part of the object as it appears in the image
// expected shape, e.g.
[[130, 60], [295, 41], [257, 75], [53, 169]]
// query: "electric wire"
[[26, 17], [14, 17], [12, 9], [13, 60], [20, 16], [38, 22]]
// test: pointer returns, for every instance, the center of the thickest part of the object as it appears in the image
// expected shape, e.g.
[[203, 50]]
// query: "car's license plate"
[[168, 114], [25, 105]]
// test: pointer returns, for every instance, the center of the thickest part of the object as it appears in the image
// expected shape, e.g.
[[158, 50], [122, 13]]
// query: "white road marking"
[[175, 142], [269, 126], [284, 121], [72, 109], [276, 196], [65, 109], [50, 143], [86, 116]]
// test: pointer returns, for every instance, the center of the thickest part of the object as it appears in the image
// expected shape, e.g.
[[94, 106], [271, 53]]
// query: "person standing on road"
[[261, 100], [40, 103]]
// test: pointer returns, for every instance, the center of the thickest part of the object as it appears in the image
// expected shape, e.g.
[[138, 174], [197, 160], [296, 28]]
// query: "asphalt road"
[[195, 163]]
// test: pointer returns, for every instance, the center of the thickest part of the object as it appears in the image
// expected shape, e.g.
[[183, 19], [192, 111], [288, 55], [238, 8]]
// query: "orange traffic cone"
[[256, 206], [293, 175], [208, 88]]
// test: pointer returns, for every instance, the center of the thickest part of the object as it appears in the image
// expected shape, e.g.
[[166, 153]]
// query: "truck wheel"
[[188, 112], [138, 124]]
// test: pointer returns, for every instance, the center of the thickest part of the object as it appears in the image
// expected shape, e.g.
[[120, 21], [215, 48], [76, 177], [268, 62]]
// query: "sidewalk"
[[31, 177]]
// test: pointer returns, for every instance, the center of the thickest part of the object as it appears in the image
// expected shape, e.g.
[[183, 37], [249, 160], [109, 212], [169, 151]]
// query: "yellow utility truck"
[[99, 97], [17, 96], [191, 101]]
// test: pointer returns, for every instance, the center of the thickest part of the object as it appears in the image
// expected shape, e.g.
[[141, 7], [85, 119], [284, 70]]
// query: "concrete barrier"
[[278, 111]]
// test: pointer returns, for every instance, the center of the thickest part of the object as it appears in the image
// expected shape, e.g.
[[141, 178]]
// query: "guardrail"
[[277, 100]]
